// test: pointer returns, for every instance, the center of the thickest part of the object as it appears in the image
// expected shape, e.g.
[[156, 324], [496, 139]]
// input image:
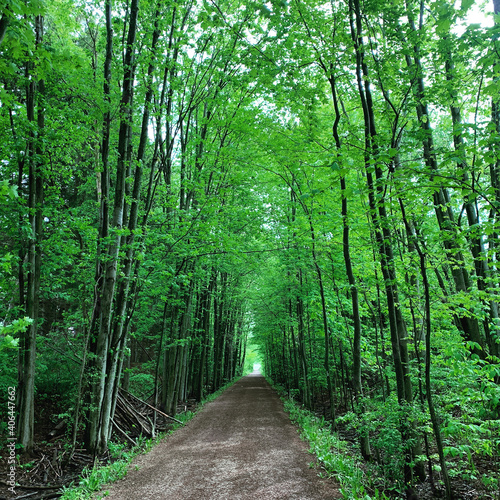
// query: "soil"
[[240, 446]]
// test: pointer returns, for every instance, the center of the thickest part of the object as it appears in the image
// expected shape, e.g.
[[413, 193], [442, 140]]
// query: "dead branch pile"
[[134, 418], [52, 470]]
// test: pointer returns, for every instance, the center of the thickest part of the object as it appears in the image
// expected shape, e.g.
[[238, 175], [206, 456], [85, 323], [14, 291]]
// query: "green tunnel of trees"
[[320, 180]]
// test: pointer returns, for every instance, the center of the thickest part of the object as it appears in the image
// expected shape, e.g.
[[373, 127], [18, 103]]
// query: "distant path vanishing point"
[[240, 446]]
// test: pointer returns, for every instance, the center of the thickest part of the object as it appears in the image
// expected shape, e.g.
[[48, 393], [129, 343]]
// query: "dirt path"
[[240, 446]]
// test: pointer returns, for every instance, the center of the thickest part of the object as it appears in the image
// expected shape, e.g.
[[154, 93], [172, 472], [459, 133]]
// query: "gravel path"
[[240, 446]]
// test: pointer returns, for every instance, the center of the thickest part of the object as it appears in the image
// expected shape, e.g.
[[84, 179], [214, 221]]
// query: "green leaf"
[[466, 5], [443, 26]]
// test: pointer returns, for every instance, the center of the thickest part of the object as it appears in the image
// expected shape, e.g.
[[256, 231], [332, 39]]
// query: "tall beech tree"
[[383, 234], [101, 328], [441, 197], [34, 160]]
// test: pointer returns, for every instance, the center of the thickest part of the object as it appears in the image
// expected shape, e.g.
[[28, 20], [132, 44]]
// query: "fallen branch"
[[43, 497], [27, 496], [153, 408], [33, 486], [131, 417], [123, 433]]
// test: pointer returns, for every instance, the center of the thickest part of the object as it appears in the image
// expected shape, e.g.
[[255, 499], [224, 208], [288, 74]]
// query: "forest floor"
[[240, 446]]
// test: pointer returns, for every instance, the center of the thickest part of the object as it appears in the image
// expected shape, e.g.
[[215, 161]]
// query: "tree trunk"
[[169, 360], [102, 388], [4, 24], [474, 236], [356, 354], [119, 332], [444, 214], [329, 382], [384, 240], [27, 344], [205, 336], [428, 328], [494, 240]]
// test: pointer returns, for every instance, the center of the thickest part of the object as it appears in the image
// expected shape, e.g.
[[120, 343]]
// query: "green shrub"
[[337, 457], [141, 384]]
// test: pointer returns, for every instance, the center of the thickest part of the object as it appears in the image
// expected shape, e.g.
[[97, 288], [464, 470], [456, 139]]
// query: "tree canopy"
[[314, 186]]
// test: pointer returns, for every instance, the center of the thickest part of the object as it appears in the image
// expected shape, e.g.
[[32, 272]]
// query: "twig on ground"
[[153, 408], [123, 433]]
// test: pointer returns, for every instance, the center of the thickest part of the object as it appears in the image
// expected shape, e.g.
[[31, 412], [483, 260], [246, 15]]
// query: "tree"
[[200, 181], [27, 352]]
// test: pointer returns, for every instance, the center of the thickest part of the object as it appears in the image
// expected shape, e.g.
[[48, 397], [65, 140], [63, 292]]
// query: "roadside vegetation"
[[337, 458], [93, 481]]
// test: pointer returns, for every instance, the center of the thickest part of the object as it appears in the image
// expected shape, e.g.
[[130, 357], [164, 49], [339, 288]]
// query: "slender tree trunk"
[[185, 328], [96, 365], [220, 327], [474, 235], [4, 24], [27, 344], [329, 382], [302, 346], [170, 354], [444, 214], [122, 303], [205, 328], [384, 240], [494, 240], [356, 369], [428, 328], [294, 349], [103, 387]]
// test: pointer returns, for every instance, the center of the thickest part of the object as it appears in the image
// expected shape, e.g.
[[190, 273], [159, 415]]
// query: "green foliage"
[[57, 378], [383, 422], [239, 206], [95, 478], [141, 384], [7, 190], [337, 457], [9, 345], [7, 332], [252, 358]]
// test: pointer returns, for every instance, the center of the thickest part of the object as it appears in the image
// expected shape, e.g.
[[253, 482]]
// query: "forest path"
[[240, 446]]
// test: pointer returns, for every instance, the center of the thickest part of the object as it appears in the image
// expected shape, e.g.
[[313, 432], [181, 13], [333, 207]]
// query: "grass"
[[338, 458], [95, 479]]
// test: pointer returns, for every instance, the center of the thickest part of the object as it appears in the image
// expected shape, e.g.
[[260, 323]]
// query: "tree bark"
[[102, 389], [356, 352], [428, 328], [474, 235], [27, 344], [96, 364], [444, 214], [384, 240], [4, 24]]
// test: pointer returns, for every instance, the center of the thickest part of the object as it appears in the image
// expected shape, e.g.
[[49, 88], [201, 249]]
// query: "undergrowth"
[[338, 458], [94, 479]]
